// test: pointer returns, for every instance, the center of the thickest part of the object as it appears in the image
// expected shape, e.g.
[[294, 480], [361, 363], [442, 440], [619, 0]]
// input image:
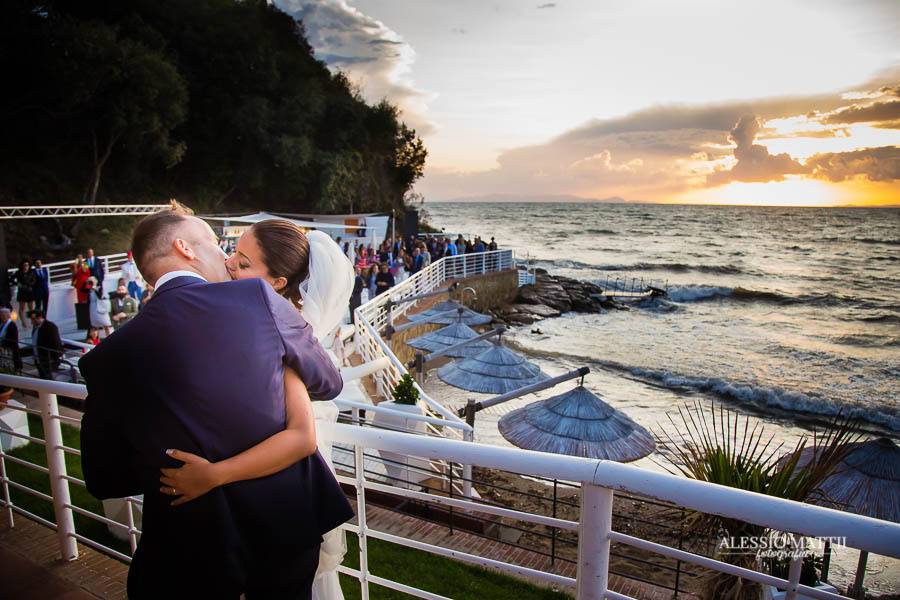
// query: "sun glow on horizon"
[[793, 191]]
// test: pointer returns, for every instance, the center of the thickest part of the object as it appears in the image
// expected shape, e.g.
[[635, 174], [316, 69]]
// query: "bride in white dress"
[[311, 271]]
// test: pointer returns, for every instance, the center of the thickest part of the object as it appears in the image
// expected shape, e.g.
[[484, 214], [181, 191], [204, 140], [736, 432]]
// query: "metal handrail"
[[599, 480]]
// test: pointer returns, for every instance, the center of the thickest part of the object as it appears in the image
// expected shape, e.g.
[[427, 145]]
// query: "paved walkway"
[[31, 567], [381, 519]]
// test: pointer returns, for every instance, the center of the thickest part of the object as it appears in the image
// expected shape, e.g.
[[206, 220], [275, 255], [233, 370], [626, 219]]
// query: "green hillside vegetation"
[[221, 104]]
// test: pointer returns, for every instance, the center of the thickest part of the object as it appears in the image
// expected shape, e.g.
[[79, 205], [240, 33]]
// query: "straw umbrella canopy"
[[577, 423], [443, 307], [865, 482], [467, 315], [449, 336], [496, 370]]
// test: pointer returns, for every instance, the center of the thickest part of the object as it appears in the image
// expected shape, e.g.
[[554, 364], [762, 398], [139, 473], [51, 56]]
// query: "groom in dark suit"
[[201, 368]]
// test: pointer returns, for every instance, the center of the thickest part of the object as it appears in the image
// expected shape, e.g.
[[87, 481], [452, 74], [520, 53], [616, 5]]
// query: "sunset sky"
[[695, 101]]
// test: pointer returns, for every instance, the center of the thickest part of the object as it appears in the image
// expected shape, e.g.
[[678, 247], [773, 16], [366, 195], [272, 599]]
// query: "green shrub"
[[405, 391]]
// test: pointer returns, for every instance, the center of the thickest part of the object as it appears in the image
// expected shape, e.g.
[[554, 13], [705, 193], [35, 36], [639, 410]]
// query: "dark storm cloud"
[[712, 117], [874, 164], [373, 56], [867, 113], [754, 163]]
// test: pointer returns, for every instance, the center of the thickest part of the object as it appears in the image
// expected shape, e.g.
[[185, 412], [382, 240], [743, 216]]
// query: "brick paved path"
[[31, 567]]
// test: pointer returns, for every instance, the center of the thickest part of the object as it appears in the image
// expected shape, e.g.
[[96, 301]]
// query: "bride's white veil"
[[326, 292], [326, 298]]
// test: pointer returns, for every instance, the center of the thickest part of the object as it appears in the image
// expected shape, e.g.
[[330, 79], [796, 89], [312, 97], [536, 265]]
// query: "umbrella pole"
[[553, 530], [858, 591], [826, 561], [470, 412]]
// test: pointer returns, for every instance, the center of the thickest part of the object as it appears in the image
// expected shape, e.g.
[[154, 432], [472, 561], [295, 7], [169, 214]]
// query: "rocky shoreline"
[[550, 296]]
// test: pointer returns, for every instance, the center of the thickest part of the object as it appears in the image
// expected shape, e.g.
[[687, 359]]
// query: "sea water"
[[788, 316]]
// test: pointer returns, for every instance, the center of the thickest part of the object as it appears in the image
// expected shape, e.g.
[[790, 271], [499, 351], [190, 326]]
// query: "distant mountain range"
[[532, 198]]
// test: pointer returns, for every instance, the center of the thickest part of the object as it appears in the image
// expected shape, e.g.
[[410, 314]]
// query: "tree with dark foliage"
[[220, 103]]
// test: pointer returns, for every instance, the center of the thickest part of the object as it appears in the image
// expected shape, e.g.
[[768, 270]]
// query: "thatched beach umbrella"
[[866, 482], [467, 316], [496, 370], [450, 336], [577, 423], [442, 307]]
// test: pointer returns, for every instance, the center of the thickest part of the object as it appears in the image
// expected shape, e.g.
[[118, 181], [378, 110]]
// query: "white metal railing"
[[599, 480], [61, 271], [373, 316]]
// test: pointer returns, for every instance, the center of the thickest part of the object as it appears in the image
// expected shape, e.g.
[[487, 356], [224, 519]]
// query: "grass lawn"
[[412, 567], [435, 574], [36, 454]]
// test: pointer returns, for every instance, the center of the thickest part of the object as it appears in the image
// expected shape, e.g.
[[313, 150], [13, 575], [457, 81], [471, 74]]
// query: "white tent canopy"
[[374, 225], [264, 216]]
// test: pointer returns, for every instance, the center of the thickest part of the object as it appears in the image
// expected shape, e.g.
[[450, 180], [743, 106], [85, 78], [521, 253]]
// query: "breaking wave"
[[755, 396]]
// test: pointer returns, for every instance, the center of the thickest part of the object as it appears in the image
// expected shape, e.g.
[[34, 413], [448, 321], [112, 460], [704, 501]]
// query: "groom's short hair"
[[153, 235]]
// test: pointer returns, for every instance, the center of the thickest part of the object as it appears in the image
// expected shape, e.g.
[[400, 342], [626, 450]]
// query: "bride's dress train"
[[326, 295], [327, 585]]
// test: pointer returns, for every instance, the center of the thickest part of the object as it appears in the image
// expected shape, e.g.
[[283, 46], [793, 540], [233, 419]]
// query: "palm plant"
[[722, 447]]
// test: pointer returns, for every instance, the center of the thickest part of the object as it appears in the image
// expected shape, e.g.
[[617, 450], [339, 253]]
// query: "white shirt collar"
[[166, 277]]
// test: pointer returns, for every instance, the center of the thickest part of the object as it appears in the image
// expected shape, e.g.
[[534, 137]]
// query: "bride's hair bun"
[[285, 252]]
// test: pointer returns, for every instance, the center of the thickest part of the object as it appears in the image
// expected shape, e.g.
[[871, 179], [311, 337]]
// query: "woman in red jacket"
[[82, 290]]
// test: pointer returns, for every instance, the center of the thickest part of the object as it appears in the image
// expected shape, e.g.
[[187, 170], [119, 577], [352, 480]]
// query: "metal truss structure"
[[78, 210]]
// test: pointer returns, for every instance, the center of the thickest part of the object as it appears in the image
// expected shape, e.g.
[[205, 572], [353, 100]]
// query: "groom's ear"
[[184, 248]]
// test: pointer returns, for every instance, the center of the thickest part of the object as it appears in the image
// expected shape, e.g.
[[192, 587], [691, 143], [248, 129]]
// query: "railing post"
[[795, 568], [593, 542], [360, 460], [59, 486], [6, 497], [468, 436], [132, 537]]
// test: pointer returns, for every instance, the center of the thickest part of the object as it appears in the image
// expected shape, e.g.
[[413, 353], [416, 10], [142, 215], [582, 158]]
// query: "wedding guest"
[[451, 249], [45, 344], [384, 280], [41, 287], [123, 307], [5, 295], [479, 245], [356, 295], [26, 280], [96, 266], [400, 273], [131, 276], [81, 282], [460, 244], [93, 336], [493, 244], [371, 280], [145, 297], [9, 338], [76, 264], [418, 261], [384, 254], [100, 307]]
